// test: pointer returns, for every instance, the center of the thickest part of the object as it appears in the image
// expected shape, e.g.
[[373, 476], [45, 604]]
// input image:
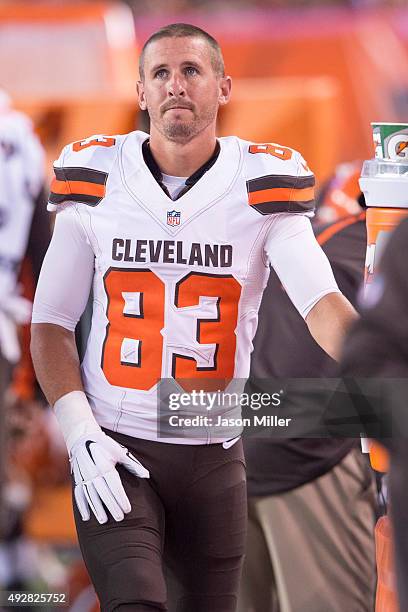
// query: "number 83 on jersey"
[[156, 329]]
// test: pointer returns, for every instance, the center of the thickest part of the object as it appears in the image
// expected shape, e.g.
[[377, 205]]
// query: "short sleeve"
[[75, 180], [279, 180]]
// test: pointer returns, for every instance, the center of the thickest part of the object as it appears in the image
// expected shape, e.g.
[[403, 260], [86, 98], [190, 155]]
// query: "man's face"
[[181, 90]]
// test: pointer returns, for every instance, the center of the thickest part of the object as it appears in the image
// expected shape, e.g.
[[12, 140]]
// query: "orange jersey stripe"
[[281, 194], [80, 187], [59, 186]]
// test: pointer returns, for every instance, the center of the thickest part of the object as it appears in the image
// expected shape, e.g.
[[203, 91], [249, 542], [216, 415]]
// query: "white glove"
[[93, 460], [93, 456]]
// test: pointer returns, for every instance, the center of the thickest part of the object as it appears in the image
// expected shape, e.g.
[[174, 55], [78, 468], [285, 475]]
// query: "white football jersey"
[[21, 178], [176, 283]]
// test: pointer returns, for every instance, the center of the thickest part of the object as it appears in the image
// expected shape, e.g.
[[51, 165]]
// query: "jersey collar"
[[218, 175], [192, 179]]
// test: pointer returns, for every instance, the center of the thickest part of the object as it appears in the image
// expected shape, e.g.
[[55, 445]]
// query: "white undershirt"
[[174, 184]]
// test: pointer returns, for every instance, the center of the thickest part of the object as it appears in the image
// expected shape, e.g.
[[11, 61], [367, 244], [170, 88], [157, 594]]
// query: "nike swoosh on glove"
[[98, 486]]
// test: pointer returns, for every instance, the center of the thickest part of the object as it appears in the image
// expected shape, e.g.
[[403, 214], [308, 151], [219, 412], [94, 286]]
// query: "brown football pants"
[[190, 516]]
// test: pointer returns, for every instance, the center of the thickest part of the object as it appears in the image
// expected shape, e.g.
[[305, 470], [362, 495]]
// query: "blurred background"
[[308, 74]]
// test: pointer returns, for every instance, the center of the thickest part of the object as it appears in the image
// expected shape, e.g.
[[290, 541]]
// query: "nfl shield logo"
[[173, 217]]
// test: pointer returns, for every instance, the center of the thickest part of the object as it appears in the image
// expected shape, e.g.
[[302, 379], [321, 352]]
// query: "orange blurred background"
[[312, 79], [309, 78]]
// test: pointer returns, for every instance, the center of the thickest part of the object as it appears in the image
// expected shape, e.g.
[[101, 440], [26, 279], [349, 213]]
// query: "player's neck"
[[181, 159]]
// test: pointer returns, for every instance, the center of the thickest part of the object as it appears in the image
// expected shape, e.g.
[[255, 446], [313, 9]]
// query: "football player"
[[21, 182], [22, 207], [175, 232]]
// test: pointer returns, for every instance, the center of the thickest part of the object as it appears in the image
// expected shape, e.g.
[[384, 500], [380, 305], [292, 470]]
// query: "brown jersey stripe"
[[60, 198], [73, 188], [281, 194], [270, 208], [276, 181], [86, 175]]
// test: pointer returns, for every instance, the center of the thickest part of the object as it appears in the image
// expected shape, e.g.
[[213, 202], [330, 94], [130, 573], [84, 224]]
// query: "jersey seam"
[[119, 412], [295, 185], [251, 252], [112, 166], [130, 192], [248, 312], [87, 209], [94, 233], [78, 212], [265, 259], [63, 171]]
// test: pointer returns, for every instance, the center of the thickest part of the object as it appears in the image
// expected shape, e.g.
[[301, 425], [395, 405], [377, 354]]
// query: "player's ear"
[[141, 95], [225, 90]]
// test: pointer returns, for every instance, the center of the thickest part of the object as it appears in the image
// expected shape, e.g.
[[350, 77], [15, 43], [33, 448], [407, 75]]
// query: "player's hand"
[[97, 483]]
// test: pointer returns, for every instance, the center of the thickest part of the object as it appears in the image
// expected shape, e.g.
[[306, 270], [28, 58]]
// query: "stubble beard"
[[184, 131], [180, 130]]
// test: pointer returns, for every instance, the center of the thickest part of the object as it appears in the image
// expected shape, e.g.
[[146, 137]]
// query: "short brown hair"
[[186, 30]]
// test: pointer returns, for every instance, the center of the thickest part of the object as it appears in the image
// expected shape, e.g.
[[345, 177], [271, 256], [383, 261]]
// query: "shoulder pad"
[[278, 179], [82, 169]]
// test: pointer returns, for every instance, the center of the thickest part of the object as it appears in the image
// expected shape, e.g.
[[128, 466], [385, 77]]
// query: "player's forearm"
[[55, 359], [329, 321]]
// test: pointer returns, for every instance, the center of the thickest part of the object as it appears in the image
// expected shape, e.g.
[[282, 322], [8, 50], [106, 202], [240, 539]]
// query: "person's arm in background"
[[23, 387], [40, 235]]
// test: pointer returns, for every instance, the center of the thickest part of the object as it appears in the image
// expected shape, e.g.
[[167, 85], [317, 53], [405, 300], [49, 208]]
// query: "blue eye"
[[161, 74], [191, 70]]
